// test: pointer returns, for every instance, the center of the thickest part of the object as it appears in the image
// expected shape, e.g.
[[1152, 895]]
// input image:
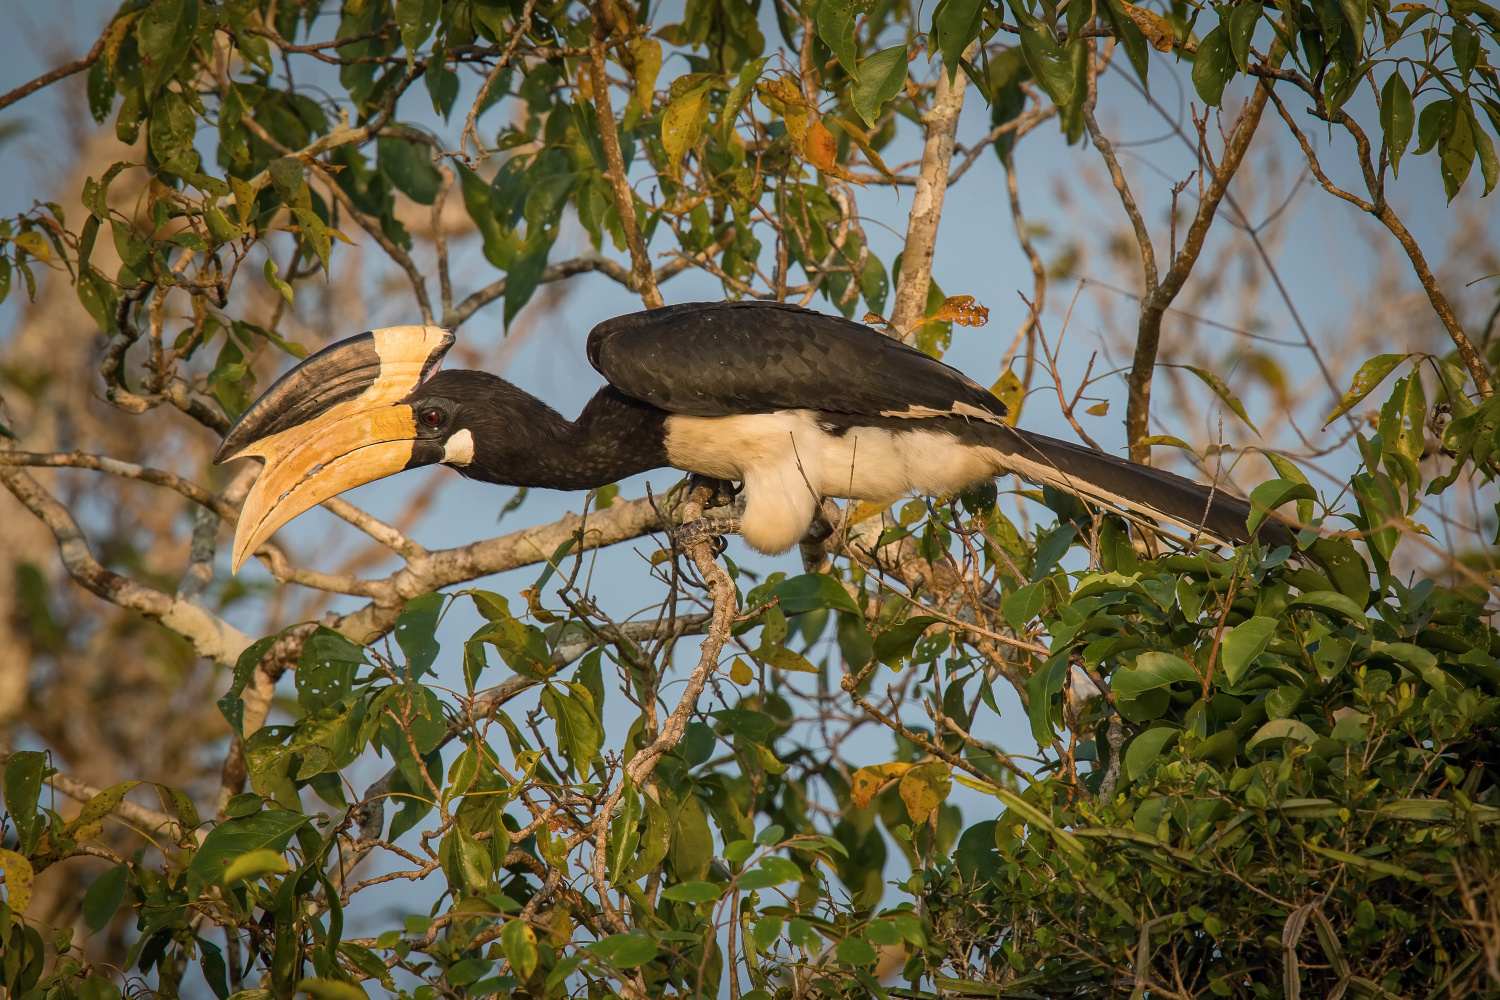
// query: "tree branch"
[[640, 262], [941, 123], [52, 76]]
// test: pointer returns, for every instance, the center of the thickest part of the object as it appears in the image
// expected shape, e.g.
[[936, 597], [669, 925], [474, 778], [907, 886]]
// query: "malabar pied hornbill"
[[795, 404]]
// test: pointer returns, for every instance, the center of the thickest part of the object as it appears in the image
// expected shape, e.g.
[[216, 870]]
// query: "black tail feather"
[[1119, 483]]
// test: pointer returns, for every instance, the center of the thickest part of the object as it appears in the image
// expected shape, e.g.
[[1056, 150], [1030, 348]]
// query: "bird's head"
[[357, 411]]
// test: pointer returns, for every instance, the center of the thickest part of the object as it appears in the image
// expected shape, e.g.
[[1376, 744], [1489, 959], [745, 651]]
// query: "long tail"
[[1125, 485]]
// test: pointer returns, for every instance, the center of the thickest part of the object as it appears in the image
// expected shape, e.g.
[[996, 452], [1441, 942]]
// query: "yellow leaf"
[[1157, 29], [647, 55], [1009, 390], [740, 672], [822, 151], [253, 864], [961, 309], [683, 124], [1098, 409], [924, 787], [865, 511], [1402, 8], [857, 136], [34, 244], [869, 780], [585, 86], [18, 879]]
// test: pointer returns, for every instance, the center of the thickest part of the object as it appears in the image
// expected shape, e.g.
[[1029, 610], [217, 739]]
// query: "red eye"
[[431, 417]]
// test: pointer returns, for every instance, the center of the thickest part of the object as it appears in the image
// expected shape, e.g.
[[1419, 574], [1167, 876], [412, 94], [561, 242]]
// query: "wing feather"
[[711, 359]]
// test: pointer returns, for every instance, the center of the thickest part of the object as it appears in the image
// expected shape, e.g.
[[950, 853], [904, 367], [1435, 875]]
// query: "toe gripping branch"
[[702, 494]]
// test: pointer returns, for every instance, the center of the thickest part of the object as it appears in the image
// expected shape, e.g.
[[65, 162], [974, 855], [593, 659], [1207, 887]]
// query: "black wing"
[[713, 359]]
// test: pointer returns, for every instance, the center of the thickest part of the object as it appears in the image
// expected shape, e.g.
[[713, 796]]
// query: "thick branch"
[[52, 76], [210, 635], [927, 204]]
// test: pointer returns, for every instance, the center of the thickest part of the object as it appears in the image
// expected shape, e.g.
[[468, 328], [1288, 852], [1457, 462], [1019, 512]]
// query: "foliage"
[[1232, 747]]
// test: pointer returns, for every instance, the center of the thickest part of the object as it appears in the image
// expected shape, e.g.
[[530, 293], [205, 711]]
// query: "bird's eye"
[[431, 417]]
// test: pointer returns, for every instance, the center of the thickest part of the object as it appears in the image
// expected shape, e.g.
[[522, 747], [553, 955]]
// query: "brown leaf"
[[1157, 29], [870, 780], [961, 309], [820, 148]]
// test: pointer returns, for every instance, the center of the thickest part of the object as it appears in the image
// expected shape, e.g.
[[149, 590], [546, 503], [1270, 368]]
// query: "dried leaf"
[[1157, 29], [869, 780], [822, 151], [865, 511], [857, 136], [961, 309], [1098, 409]]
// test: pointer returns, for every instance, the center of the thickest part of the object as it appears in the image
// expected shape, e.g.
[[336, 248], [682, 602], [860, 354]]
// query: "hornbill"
[[795, 404]]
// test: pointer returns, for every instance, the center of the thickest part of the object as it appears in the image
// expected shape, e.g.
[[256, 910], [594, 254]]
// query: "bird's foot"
[[712, 492], [704, 529]]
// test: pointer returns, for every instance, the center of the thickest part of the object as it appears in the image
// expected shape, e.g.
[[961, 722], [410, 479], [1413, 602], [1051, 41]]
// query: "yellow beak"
[[334, 422]]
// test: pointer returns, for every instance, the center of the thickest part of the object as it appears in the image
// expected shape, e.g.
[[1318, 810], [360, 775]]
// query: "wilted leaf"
[[18, 879], [869, 780], [1098, 409], [35, 244], [924, 787], [1157, 29], [961, 309], [682, 124]]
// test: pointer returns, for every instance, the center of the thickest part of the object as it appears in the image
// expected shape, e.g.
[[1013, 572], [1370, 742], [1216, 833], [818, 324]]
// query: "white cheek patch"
[[459, 449]]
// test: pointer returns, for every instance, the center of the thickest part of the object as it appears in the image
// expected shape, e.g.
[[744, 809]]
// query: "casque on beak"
[[334, 422]]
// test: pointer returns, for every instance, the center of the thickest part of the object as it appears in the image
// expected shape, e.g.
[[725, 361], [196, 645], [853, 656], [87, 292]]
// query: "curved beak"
[[334, 422]]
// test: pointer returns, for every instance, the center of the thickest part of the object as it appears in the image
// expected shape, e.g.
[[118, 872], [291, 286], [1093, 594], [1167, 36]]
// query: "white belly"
[[788, 463]]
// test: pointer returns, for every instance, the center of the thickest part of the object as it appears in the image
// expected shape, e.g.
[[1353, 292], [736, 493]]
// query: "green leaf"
[[738, 95], [1432, 124], [692, 892], [1366, 380], [756, 727], [525, 270], [1331, 602], [409, 168], [331, 989], [955, 23], [1212, 67], [269, 829], [23, 787], [1242, 22], [1270, 495], [1288, 470], [855, 951], [416, 18], [163, 36], [1220, 389], [654, 842], [881, 77], [811, 592], [1144, 750], [1242, 644], [1397, 118], [1040, 689], [625, 951], [1152, 669], [416, 632], [282, 287], [104, 897], [1402, 417], [836, 23], [1282, 729], [895, 643], [1022, 606]]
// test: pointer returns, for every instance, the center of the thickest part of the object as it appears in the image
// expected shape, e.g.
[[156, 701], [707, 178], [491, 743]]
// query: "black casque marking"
[[336, 374]]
